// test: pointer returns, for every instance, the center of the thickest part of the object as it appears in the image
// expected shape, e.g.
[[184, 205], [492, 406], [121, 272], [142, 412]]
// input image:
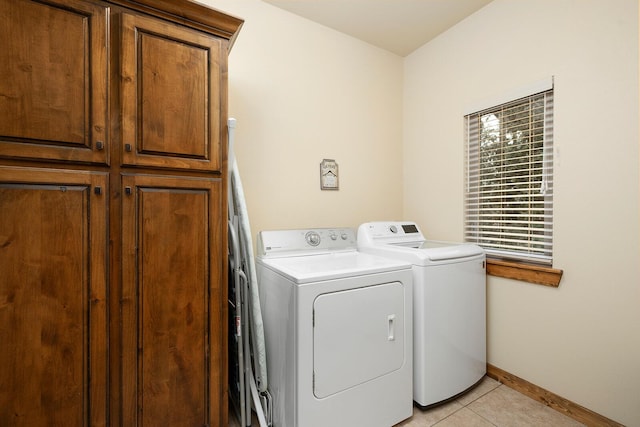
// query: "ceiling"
[[399, 26]]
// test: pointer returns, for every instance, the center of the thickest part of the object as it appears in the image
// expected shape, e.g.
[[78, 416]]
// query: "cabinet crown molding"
[[189, 13]]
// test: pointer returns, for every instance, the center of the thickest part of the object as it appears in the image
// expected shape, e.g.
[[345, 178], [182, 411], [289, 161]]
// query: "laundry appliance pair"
[[357, 327]]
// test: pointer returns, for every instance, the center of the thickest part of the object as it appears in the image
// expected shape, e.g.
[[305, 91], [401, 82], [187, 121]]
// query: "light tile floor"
[[489, 404]]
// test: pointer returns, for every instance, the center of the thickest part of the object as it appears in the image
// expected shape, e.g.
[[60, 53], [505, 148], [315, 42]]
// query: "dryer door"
[[358, 335]]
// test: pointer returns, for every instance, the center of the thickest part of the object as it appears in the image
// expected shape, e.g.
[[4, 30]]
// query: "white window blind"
[[509, 179]]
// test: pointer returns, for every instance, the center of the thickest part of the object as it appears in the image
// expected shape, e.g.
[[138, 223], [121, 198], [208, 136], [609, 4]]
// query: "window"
[[509, 179]]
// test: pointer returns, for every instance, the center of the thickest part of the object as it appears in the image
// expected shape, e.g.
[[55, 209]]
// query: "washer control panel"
[[305, 241], [395, 232]]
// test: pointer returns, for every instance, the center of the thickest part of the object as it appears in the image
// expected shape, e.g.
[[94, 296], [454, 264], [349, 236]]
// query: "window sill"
[[525, 272]]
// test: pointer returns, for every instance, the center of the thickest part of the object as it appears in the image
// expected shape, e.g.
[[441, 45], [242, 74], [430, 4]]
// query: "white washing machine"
[[338, 330], [449, 294]]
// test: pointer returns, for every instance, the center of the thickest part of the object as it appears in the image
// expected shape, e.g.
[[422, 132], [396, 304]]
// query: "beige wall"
[[302, 92], [582, 340]]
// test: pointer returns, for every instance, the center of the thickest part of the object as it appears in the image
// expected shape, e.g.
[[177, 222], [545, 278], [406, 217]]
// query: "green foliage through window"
[[508, 204]]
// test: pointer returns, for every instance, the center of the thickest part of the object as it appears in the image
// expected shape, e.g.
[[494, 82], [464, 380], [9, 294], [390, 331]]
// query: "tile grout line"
[[474, 400], [478, 398], [462, 406]]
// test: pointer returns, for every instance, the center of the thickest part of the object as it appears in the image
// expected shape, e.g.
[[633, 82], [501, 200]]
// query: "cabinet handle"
[[127, 191], [97, 190], [127, 147], [100, 145]]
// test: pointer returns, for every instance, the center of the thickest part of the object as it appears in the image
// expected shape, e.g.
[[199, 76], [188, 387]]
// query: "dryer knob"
[[393, 229], [344, 236], [312, 238]]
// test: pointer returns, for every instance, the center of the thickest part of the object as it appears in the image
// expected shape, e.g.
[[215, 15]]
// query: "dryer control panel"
[[305, 241]]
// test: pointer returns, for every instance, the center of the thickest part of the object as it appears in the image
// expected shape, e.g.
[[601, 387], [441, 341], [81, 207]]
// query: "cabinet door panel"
[[173, 293], [53, 365], [171, 96], [53, 80]]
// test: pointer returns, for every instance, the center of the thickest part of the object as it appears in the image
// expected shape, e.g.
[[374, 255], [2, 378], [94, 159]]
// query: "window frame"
[[520, 265]]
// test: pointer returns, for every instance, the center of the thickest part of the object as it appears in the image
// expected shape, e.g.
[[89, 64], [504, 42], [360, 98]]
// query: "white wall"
[[302, 92], [581, 340]]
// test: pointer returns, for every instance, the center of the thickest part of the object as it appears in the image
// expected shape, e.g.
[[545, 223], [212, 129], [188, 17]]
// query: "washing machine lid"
[[404, 240], [315, 268], [431, 251]]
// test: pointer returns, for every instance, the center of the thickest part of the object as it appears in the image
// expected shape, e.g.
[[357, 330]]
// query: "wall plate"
[[329, 175]]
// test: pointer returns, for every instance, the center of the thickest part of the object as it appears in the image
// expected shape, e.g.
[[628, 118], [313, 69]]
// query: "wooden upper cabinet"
[[172, 95], [53, 298], [53, 80]]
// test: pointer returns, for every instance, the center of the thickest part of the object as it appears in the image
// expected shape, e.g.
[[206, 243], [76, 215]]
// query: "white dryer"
[[449, 327], [338, 330]]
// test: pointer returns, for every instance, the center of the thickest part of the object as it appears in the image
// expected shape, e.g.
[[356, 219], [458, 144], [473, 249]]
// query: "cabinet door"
[[53, 308], [173, 302], [172, 95], [53, 80]]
